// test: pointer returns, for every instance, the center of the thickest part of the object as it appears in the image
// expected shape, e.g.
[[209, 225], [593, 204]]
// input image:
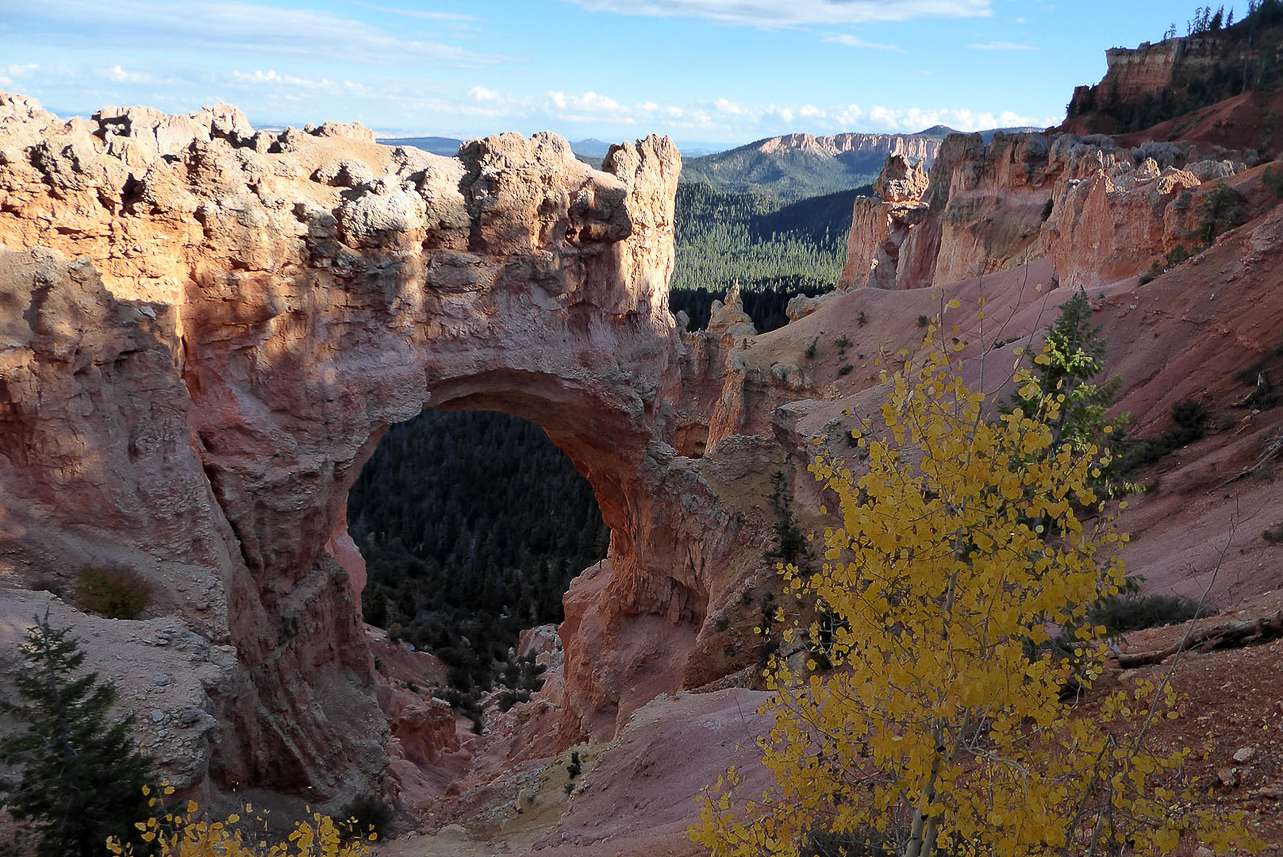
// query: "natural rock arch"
[[247, 312]]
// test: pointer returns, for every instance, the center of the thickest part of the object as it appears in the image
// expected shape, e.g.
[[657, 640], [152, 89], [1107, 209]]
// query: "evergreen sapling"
[[82, 778]]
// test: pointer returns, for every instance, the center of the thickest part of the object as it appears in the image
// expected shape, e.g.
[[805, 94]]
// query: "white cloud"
[[235, 27], [1001, 46], [748, 120], [271, 78], [293, 87], [593, 101], [415, 13], [119, 75], [910, 119], [729, 108], [484, 95], [790, 13], [594, 107], [852, 41]]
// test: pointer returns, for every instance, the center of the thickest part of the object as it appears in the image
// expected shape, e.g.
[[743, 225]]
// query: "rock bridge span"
[[208, 328]]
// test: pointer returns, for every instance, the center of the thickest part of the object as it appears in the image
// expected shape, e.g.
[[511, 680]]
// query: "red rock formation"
[[1113, 210], [248, 311], [879, 226], [1135, 73]]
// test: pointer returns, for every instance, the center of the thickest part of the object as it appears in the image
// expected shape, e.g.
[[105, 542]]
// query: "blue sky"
[[714, 71]]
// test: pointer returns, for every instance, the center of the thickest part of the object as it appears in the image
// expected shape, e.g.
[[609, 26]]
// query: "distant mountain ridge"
[[795, 166], [448, 146], [912, 146]]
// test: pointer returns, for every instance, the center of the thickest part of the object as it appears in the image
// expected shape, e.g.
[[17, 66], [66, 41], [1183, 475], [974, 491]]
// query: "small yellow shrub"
[[176, 834]]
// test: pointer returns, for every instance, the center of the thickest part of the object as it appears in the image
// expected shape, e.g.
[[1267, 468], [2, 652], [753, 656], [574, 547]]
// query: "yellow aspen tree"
[[941, 727], [178, 833]]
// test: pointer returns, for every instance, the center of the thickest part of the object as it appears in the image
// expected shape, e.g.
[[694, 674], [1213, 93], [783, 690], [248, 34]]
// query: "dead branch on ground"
[[1227, 636]]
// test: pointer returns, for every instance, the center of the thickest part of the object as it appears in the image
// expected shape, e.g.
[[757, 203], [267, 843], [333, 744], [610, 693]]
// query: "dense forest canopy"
[[472, 525], [774, 248]]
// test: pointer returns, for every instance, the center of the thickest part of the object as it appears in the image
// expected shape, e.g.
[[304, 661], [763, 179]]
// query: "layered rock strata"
[[880, 224], [1133, 74], [1098, 210], [207, 330]]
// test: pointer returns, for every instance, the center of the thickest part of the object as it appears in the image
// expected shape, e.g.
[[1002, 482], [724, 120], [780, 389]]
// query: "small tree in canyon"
[[940, 726]]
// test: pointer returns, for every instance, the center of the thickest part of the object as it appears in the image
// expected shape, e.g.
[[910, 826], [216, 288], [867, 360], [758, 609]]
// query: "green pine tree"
[[82, 778], [1074, 355]]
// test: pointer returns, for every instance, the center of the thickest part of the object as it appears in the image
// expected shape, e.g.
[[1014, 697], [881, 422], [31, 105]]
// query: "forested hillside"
[[472, 525], [762, 241], [789, 174]]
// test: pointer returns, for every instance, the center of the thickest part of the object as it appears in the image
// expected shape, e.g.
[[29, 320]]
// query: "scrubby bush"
[[114, 591], [467, 703], [1265, 395], [523, 674], [1273, 182], [788, 541], [1220, 211], [1191, 420], [1135, 612], [1176, 255], [575, 768], [365, 814], [510, 698]]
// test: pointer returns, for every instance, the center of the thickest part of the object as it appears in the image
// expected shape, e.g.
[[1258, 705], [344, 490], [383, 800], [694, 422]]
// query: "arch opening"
[[472, 524]]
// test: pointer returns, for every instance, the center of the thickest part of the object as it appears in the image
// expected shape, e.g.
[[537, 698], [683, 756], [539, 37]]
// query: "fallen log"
[[1227, 636], [1273, 446]]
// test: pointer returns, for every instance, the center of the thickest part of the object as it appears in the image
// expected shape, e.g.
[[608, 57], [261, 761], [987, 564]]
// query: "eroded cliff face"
[[1134, 74], [208, 329], [1098, 210]]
